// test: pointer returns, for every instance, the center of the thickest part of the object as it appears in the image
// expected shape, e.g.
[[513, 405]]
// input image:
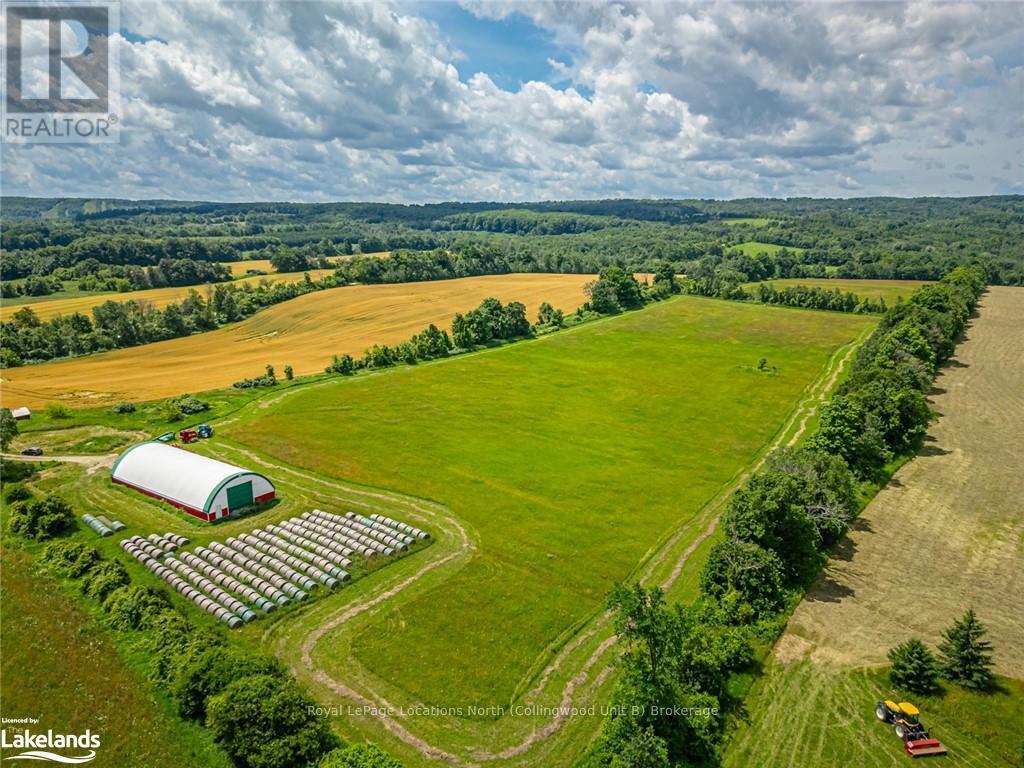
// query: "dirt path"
[[948, 530], [93, 462]]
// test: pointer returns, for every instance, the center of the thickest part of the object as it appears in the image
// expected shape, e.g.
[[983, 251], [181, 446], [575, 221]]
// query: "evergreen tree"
[[913, 667], [966, 655]]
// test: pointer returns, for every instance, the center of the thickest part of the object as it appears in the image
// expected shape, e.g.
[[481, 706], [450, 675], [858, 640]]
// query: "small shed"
[[21, 413], [205, 488]]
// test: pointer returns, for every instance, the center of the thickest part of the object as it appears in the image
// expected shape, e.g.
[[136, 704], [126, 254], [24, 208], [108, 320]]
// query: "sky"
[[432, 101]]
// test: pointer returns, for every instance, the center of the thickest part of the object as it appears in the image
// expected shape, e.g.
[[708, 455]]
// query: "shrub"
[[104, 579], [16, 493], [135, 607], [265, 721], [123, 407], [42, 519], [359, 756], [70, 558], [170, 640], [289, 372], [209, 671], [913, 667], [966, 655], [345, 365], [58, 411], [15, 471], [189, 405]]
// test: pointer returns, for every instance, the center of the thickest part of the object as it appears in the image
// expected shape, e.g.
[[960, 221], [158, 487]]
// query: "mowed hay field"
[[946, 534], [51, 306], [303, 333], [60, 666], [567, 459], [890, 290]]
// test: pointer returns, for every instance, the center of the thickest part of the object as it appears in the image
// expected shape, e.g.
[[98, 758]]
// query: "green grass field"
[[568, 457], [828, 721], [61, 667], [752, 248], [753, 222], [890, 290]]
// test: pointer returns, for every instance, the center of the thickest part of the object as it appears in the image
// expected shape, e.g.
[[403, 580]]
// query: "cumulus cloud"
[[313, 100]]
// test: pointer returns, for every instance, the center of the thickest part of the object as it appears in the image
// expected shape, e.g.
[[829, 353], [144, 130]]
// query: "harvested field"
[[950, 522], [890, 290], [303, 333], [946, 534], [51, 306]]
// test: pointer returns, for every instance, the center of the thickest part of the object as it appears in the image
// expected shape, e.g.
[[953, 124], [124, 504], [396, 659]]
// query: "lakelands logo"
[[40, 746], [61, 74]]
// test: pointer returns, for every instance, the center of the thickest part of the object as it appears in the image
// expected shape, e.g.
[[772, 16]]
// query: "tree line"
[[780, 525], [115, 325], [91, 275]]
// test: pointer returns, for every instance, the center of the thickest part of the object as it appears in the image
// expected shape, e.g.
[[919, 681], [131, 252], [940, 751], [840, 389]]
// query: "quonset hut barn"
[[203, 487]]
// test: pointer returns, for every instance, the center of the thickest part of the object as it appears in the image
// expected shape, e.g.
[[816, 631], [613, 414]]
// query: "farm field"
[[46, 307], [806, 713], [239, 268], [546, 448], [890, 290], [303, 332], [946, 534], [752, 248], [60, 667]]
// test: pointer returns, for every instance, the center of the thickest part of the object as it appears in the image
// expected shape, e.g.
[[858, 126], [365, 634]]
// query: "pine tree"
[[913, 667], [966, 655]]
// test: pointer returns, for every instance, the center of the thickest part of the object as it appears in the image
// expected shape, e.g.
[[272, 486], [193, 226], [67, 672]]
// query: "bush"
[[16, 493], [135, 607], [966, 655], [58, 411], [42, 519], [209, 671], [70, 558], [123, 407], [913, 667], [15, 471], [170, 641], [359, 756], [189, 405], [265, 721], [104, 579]]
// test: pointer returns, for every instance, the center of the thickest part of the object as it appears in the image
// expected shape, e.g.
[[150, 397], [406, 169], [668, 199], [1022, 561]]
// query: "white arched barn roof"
[[204, 487]]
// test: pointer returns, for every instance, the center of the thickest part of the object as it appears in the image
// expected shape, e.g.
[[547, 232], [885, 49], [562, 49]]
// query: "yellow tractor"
[[904, 718]]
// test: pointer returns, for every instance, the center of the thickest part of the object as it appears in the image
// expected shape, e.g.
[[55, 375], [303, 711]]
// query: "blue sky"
[[495, 100]]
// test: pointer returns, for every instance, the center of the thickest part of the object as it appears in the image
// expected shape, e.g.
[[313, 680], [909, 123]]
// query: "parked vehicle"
[[188, 436], [33, 451], [205, 431]]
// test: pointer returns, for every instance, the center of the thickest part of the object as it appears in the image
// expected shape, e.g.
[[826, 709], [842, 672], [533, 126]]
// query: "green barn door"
[[240, 496]]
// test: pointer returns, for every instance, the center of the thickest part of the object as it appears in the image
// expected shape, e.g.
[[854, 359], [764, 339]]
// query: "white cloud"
[[363, 101]]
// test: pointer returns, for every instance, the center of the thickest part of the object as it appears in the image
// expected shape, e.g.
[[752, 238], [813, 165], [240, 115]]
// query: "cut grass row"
[[823, 715]]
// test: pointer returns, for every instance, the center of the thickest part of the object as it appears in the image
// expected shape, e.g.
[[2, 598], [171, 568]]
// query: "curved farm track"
[[576, 672]]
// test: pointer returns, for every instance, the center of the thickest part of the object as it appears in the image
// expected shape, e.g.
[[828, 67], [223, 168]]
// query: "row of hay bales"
[[104, 526], [254, 573]]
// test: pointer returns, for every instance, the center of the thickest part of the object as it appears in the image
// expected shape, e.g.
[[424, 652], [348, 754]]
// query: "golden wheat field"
[[48, 307], [303, 333]]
